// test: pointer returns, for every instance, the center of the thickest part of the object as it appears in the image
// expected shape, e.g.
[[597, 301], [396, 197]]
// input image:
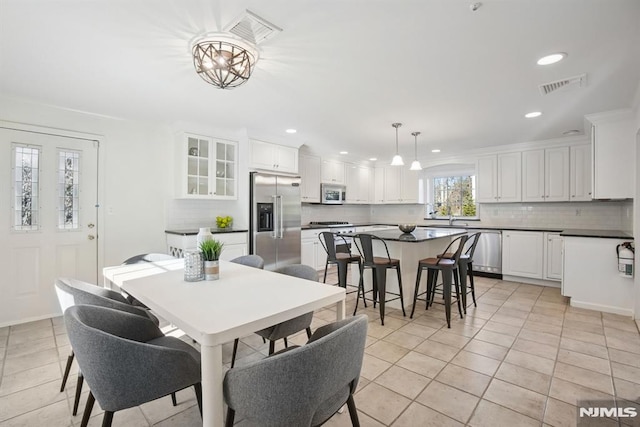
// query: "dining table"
[[243, 300]]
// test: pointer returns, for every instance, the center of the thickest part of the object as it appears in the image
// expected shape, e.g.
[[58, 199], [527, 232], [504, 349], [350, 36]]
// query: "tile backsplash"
[[617, 215]]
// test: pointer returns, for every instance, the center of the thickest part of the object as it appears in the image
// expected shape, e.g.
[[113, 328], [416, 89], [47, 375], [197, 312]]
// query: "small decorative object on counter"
[[224, 221], [407, 228], [211, 250], [193, 265], [204, 234]]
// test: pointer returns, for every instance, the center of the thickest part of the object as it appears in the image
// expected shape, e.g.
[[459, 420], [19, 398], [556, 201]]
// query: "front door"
[[48, 228]]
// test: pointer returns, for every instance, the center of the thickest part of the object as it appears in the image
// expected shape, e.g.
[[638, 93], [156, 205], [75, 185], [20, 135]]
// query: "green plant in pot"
[[211, 250]]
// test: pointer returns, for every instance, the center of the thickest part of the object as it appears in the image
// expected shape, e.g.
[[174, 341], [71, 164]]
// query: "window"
[[68, 189], [454, 195], [26, 180]]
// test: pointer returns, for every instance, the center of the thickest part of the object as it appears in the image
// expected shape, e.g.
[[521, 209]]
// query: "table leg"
[[340, 309], [212, 398]]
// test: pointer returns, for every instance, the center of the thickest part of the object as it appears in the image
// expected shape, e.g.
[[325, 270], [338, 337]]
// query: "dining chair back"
[[289, 327], [255, 261], [127, 360], [342, 259], [304, 386], [151, 257]]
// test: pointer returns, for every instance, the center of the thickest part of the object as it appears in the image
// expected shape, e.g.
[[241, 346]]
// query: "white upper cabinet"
[[207, 167], [358, 184], [580, 173], [333, 172], [310, 178], [400, 185], [273, 157], [499, 178], [378, 184], [545, 175], [613, 143]]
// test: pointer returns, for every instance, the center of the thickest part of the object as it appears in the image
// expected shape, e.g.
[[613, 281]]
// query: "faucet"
[[452, 218]]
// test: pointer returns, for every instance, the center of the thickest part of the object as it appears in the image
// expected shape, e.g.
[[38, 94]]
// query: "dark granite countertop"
[[194, 231], [417, 235], [602, 234]]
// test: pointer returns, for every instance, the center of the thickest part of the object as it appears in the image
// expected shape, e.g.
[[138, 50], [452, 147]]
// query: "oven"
[[332, 194]]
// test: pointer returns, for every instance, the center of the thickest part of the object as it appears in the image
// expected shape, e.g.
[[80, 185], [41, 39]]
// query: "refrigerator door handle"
[[281, 213], [276, 215]]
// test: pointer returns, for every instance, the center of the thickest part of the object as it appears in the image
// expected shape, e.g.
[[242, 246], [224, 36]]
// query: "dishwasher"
[[487, 259]]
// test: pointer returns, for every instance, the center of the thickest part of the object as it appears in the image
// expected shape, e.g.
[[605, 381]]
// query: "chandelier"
[[224, 61]]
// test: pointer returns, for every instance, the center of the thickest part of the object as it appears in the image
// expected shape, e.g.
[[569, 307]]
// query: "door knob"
[[91, 237]]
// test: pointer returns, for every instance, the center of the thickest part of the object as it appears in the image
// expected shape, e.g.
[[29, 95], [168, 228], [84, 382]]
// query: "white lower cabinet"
[[532, 254], [311, 250], [522, 253], [235, 244], [553, 256]]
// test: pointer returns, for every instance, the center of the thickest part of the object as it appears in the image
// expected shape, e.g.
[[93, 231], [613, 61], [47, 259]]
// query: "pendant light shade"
[[415, 165], [397, 159]]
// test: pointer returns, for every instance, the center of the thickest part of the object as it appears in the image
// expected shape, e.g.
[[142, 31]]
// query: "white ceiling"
[[340, 72]]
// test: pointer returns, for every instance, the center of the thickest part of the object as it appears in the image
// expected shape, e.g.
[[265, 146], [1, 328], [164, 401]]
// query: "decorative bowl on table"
[[407, 228]]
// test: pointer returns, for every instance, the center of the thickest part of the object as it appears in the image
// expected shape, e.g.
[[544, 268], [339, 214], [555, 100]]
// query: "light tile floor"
[[522, 357]]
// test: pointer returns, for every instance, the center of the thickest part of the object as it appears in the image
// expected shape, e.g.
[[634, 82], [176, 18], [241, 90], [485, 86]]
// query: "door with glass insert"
[[48, 225]]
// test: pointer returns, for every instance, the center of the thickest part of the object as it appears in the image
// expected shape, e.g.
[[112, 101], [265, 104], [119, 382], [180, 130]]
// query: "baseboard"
[[601, 307], [29, 319], [488, 275], [530, 281]]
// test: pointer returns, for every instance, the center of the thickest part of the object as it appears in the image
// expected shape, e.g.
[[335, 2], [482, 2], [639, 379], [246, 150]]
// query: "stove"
[[325, 224]]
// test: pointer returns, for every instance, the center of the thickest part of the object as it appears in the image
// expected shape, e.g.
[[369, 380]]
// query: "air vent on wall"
[[580, 81], [252, 28]]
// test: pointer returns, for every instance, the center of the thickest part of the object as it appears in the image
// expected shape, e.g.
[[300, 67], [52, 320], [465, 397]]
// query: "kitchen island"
[[409, 248]]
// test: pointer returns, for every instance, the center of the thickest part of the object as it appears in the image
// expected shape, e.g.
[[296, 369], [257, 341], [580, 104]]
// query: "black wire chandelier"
[[223, 61]]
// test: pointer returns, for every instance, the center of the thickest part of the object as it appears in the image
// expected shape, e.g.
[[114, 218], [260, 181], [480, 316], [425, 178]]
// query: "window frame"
[[430, 192]]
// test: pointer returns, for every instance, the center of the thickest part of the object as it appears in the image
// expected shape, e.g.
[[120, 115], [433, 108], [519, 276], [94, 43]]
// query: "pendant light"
[[397, 159], [415, 165]]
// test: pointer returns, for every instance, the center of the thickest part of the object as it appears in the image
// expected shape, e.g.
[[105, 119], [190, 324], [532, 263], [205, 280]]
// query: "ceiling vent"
[[252, 28], [579, 81]]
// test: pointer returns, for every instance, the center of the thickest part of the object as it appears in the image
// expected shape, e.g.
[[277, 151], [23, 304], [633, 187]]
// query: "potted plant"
[[211, 250]]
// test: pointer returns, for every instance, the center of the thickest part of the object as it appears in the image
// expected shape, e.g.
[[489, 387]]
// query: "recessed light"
[[373, 159], [552, 59], [291, 131], [436, 150], [344, 152], [571, 132], [533, 114]]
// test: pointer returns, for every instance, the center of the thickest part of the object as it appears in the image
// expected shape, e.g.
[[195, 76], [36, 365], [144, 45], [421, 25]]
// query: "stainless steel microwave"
[[332, 194]]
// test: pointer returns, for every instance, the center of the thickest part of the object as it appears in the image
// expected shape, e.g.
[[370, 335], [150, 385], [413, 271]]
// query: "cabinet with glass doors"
[[207, 167]]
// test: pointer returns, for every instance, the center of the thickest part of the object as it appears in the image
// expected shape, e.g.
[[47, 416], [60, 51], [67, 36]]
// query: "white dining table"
[[242, 301]]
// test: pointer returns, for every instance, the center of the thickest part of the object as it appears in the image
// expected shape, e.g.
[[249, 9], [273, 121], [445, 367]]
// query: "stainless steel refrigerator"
[[275, 219]]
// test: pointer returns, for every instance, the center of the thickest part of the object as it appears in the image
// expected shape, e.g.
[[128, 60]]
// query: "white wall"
[[136, 159]]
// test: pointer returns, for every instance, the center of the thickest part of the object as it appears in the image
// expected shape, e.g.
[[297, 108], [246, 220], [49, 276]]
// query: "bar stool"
[[448, 266], [378, 266], [341, 259], [465, 269]]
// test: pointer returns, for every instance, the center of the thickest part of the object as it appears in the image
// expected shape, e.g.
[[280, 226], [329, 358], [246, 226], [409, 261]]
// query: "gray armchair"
[[289, 327], [72, 292], [302, 386], [127, 360]]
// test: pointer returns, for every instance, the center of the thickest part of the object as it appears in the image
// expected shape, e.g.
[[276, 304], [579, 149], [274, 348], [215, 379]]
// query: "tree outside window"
[[454, 195]]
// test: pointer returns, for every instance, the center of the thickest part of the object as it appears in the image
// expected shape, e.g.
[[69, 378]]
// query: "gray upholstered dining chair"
[[301, 386], [127, 360], [72, 292], [289, 327], [255, 261]]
